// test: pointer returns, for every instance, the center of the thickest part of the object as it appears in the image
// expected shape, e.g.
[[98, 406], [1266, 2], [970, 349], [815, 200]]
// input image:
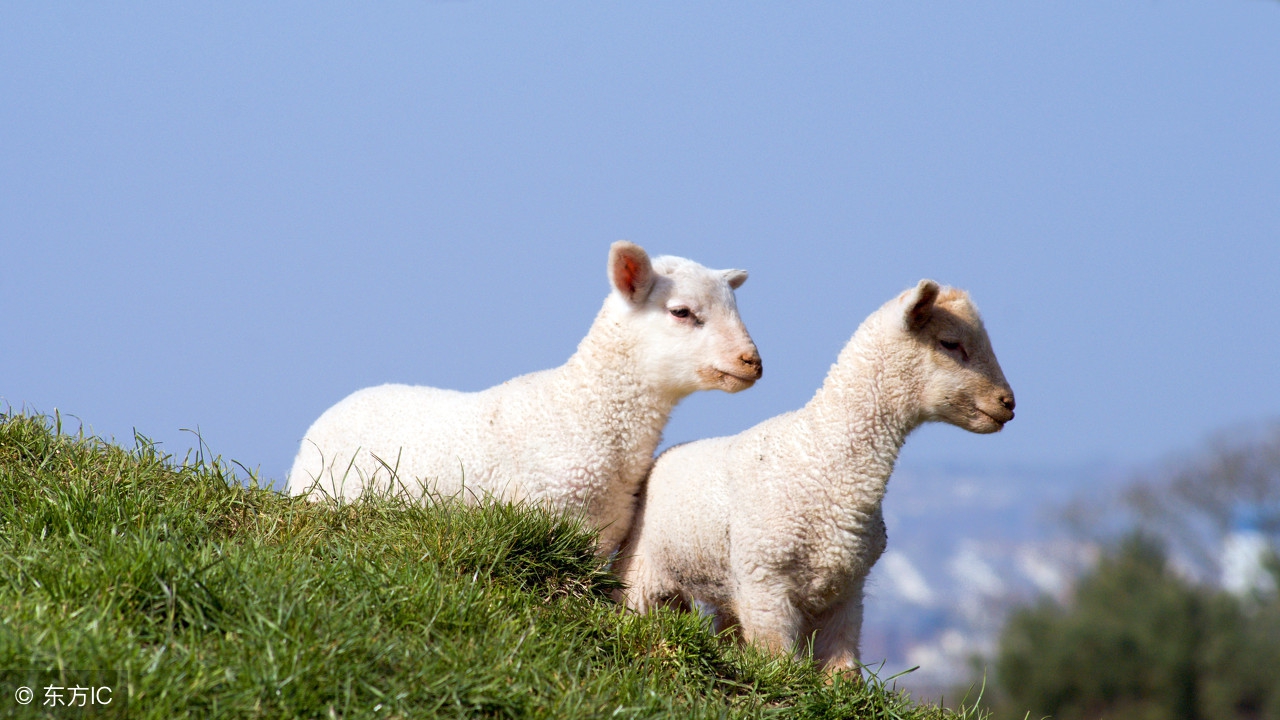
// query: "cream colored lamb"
[[778, 526], [579, 437]]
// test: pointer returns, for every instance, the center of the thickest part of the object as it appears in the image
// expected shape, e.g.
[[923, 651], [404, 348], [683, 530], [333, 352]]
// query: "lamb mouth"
[[726, 378], [997, 420]]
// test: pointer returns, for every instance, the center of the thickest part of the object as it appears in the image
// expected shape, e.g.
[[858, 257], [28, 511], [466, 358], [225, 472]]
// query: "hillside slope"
[[184, 593]]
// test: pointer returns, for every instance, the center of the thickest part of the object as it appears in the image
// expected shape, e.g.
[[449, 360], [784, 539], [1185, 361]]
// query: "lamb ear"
[[920, 304], [735, 278], [630, 271]]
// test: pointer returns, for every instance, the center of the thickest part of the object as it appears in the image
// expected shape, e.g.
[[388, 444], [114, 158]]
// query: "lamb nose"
[[1007, 401], [752, 360]]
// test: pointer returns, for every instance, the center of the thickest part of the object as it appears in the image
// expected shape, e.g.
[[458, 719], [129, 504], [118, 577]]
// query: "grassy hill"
[[190, 595]]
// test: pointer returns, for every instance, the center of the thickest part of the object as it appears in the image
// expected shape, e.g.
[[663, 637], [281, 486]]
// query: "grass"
[[191, 594]]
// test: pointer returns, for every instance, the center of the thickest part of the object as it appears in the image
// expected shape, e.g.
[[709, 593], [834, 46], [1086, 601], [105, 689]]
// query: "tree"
[[1138, 640], [1195, 503]]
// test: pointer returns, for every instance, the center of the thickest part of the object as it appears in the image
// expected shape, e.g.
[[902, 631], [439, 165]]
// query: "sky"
[[229, 216]]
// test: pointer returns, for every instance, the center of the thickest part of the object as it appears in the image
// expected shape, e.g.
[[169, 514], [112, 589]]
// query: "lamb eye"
[[955, 347], [681, 312]]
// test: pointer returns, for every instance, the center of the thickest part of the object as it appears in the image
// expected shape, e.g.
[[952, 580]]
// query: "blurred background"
[[222, 219]]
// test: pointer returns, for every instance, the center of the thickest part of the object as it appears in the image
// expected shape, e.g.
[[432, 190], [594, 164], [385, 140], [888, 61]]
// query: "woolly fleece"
[[778, 526], [579, 437]]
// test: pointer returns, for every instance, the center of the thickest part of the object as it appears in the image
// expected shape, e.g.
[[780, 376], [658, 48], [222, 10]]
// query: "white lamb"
[[579, 437], [778, 526]]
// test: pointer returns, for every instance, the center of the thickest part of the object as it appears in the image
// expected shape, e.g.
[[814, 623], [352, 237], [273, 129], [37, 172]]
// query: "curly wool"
[[579, 437], [778, 526]]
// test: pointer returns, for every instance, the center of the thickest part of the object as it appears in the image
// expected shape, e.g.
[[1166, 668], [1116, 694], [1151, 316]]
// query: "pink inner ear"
[[632, 274], [628, 272]]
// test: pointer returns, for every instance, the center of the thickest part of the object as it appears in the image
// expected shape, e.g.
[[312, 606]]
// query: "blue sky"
[[232, 215]]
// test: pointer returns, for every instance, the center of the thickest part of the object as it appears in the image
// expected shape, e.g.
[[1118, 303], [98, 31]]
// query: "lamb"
[[579, 437], [778, 526]]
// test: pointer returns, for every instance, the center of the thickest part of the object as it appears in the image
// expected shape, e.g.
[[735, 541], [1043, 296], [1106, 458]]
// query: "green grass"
[[192, 595]]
